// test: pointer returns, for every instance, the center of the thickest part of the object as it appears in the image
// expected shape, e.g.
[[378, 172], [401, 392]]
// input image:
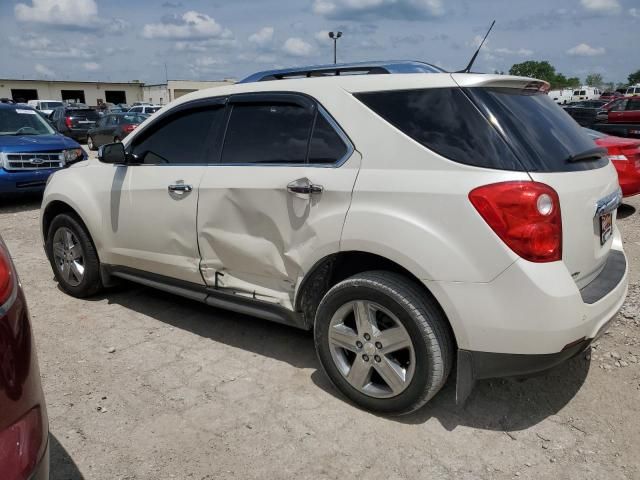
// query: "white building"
[[93, 93], [90, 93], [164, 93]]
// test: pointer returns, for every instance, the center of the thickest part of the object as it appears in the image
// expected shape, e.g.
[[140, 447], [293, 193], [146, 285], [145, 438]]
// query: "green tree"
[[535, 69], [594, 80], [573, 82], [634, 77], [544, 71]]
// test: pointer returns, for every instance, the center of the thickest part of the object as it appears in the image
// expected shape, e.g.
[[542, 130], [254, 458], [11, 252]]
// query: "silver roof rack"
[[361, 68]]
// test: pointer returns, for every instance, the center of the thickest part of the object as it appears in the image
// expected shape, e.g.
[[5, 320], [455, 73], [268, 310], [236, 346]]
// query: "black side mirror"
[[112, 153]]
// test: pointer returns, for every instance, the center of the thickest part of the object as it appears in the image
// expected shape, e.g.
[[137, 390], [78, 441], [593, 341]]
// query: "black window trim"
[[296, 98]]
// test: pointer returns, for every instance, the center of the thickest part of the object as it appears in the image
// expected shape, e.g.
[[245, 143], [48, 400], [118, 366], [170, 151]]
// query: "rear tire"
[[73, 257], [396, 362]]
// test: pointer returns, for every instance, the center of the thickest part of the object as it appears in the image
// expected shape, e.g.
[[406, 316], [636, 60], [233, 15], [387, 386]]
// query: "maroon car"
[[24, 429]]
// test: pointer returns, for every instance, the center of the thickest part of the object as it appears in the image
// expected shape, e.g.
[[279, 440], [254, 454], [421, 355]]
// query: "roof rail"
[[361, 68]]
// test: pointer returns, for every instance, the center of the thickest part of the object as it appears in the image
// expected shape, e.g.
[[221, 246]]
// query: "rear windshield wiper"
[[591, 154]]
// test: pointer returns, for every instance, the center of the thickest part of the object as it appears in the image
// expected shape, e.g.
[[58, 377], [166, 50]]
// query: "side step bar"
[[211, 296]]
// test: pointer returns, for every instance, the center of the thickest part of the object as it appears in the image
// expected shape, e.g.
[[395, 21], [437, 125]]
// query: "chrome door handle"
[[303, 186], [180, 188]]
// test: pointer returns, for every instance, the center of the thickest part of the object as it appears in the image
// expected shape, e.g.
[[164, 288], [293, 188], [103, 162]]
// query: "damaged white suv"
[[413, 219]]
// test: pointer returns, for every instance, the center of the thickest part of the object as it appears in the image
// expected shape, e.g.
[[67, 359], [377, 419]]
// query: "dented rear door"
[[277, 200]]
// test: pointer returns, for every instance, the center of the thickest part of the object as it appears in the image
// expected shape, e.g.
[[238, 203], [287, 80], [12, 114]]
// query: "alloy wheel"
[[68, 256], [371, 349]]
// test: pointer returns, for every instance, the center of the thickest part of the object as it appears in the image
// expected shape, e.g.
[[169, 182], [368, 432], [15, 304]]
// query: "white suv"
[[413, 221]]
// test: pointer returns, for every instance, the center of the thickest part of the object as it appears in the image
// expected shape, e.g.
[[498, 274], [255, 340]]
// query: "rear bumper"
[[532, 309], [530, 319], [77, 134]]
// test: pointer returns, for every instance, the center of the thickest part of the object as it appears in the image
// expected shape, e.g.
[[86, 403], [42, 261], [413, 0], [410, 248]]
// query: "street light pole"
[[335, 36]]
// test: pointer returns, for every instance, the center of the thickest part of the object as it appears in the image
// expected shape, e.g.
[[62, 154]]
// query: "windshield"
[[23, 121], [50, 105]]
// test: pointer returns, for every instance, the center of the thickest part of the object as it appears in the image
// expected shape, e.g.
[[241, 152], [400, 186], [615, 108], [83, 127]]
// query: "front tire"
[[383, 342], [73, 257]]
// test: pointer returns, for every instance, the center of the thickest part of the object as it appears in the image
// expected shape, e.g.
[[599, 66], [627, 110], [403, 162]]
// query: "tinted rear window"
[[542, 135], [445, 121], [528, 132]]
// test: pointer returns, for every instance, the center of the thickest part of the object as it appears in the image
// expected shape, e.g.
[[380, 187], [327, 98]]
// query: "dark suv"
[[74, 122], [24, 427]]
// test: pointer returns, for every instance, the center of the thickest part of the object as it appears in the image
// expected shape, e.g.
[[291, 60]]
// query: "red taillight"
[[20, 446], [128, 128], [525, 215], [67, 122], [6, 275]]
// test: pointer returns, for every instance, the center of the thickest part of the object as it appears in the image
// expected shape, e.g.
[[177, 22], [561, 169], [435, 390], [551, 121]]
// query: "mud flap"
[[465, 379]]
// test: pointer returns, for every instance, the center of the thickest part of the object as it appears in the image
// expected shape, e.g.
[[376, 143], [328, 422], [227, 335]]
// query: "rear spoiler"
[[499, 81]]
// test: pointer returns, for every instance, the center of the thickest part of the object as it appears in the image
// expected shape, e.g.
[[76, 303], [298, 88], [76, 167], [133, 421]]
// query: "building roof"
[[133, 82]]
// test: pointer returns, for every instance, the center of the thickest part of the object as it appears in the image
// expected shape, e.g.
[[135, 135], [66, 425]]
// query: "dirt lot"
[[144, 385]]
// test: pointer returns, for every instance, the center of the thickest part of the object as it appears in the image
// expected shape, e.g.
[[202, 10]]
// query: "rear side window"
[[267, 134], [528, 131], [326, 146], [633, 104], [445, 121], [540, 133], [181, 139]]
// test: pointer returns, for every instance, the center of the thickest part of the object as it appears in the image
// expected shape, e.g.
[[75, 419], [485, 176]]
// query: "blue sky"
[[121, 40]]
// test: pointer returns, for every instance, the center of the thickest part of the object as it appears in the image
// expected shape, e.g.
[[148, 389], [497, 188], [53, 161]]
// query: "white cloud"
[[322, 36], [634, 12], [584, 50], [491, 53], [42, 70], [91, 66], [43, 47], [521, 52], [357, 9], [206, 62], [204, 46], [296, 47], [31, 41], [262, 37], [601, 6], [58, 12], [191, 26]]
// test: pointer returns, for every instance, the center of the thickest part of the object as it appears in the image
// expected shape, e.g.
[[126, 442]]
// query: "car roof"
[[320, 86], [13, 106]]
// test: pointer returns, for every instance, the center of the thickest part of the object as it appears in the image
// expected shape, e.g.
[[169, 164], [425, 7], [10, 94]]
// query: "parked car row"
[[568, 96]]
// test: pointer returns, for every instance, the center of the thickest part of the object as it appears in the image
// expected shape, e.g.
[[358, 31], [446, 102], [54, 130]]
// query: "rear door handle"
[[180, 188], [303, 186]]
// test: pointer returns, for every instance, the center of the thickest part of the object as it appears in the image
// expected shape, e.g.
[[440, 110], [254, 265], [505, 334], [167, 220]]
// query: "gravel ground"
[[144, 385]]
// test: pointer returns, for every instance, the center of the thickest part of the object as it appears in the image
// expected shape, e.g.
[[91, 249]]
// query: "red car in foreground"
[[24, 428], [624, 153]]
